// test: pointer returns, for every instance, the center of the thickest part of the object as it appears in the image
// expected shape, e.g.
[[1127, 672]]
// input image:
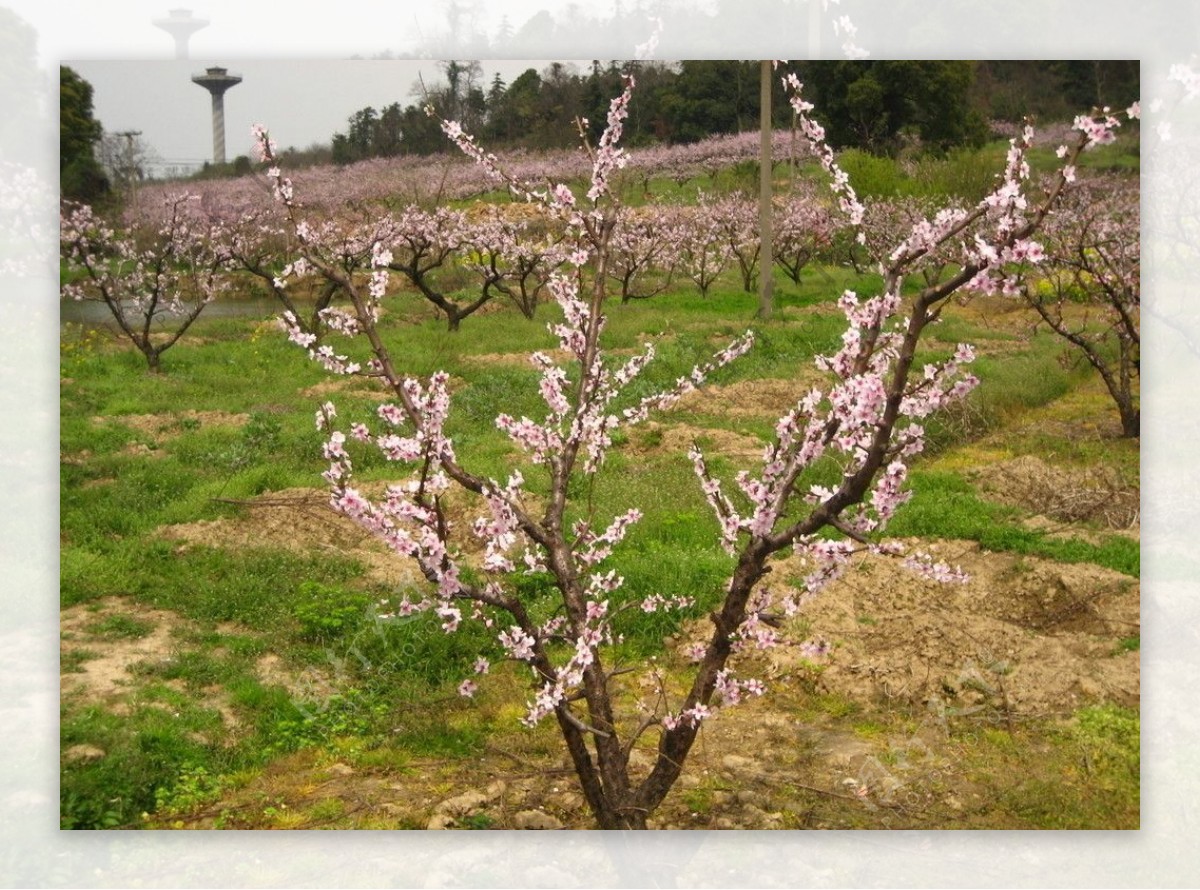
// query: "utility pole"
[[766, 299], [128, 168]]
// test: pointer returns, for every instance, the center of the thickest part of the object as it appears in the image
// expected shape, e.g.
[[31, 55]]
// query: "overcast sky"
[[298, 79], [301, 102], [251, 29]]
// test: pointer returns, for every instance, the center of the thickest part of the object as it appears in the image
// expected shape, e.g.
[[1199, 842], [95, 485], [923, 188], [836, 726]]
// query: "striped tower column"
[[217, 81], [218, 121]]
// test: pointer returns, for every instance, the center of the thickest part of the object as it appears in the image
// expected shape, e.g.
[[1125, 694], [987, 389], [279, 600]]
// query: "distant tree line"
[[80, 175], [878, 106]]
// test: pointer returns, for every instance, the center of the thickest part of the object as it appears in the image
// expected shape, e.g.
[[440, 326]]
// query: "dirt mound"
[[359, 387], [300, 520], [766, 398], [518, 359], [1023, 637], [342, 386], [657, 438], [1092, 495], [162, 427]]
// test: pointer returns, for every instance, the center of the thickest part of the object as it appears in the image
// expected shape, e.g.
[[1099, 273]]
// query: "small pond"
[[95, 314]]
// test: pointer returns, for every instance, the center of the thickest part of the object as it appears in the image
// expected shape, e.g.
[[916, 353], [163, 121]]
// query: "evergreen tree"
[[80, 174]]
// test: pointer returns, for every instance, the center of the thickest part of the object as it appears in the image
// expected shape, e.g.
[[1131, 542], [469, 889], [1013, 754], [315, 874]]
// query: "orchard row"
[[432, 180]]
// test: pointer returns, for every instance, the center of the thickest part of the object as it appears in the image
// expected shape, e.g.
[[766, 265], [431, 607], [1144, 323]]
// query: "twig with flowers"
[[869, 420]]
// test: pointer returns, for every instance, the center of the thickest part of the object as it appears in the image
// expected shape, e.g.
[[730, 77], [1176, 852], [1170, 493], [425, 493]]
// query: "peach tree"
[[155, 279], [868, 421]]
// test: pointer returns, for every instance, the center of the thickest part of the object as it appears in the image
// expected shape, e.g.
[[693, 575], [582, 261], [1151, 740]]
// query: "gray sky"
[[294, 59], [301, 102], [251, 29]]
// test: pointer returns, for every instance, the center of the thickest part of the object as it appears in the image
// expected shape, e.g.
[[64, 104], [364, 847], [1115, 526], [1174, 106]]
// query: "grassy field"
[[224, 666]]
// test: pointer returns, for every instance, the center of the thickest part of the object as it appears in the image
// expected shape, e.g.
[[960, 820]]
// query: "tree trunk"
[[1131, 422]]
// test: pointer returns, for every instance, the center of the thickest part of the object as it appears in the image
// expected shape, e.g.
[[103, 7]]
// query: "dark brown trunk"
[[1131, 422]]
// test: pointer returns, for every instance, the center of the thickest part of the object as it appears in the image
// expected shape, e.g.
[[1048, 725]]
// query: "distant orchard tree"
[[155, 279]]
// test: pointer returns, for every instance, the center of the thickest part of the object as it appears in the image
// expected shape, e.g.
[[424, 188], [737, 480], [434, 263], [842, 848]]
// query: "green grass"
[[120, 627], [1129, 644], [1087, 777], [969, 174], [944, 505], [394, 681], [143, 752]]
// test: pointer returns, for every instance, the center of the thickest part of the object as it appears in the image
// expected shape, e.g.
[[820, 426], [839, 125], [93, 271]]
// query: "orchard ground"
[[223, 665]]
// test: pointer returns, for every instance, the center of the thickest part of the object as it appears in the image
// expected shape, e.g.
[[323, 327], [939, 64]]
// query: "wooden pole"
[[765, 259]]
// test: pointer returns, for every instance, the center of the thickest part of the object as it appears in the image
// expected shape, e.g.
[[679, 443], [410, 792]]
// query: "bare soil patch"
[[162, 427], [518, 359], [1095, 494], [1024, 637], [106, 667], [657, 438], [763, 398], [105, 673], [310, 686]]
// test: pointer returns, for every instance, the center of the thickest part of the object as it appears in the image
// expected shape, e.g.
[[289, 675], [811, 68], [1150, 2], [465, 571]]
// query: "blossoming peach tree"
[[155, 279], [1090, 294], [869, 420]]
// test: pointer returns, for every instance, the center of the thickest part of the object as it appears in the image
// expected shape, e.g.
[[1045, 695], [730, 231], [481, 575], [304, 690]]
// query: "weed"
[[350, 713], [1128, 644], [1109, 739], [326, 611], [77, 347], [192, 788], [699, 799], [327, 810], [868, 729], [120, 627], [834, 705], [944, 505], [1084, 774], [72, 662], [477, 822]]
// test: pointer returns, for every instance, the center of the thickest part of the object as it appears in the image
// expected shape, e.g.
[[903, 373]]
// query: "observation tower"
[[180, 24], [217, 81]]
